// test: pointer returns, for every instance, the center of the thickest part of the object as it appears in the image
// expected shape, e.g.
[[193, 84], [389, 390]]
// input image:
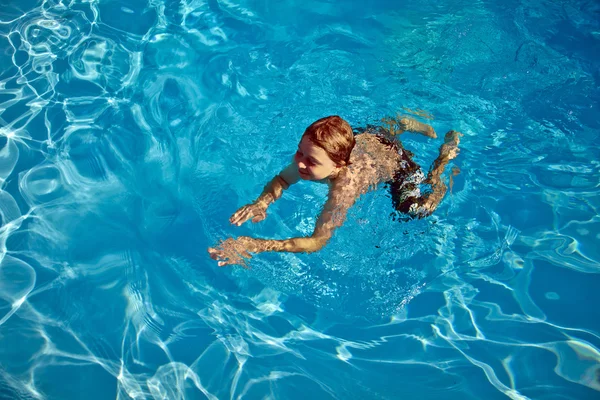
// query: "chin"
[[305, 177]]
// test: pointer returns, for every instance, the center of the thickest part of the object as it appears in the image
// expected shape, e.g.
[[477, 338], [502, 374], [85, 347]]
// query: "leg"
[[448, 151], [405, 187], [406, 195], [398, 125]]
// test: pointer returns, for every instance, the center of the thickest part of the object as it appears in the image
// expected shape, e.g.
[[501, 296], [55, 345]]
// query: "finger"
[[236, 215], [216, 254], [245, 254], [226, 262], [259, 218], [243, 217], [241, 263]]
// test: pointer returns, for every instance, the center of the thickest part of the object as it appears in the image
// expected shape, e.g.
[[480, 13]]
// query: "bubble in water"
[[552, 296]]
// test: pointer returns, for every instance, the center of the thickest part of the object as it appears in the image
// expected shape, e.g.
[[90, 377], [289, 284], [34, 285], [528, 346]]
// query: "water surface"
[[131, 130]]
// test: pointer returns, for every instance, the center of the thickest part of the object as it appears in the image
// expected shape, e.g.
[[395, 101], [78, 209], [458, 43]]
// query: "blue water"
[[131, 130]]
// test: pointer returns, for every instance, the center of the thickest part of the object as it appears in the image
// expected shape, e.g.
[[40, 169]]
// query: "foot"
[[453, 137], [449, 150], [411, 125]]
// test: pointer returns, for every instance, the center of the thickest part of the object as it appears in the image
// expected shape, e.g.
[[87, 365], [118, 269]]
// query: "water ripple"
[[129, 131]]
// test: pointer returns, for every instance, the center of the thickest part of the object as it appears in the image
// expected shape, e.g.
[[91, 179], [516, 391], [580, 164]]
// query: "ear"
[[336, 169]]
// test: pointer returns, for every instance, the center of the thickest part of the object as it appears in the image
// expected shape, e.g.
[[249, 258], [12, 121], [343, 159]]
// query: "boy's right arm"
[[272, 191]]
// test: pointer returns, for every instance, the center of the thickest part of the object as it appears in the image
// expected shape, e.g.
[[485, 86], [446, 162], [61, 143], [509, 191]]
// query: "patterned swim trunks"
[[405, 188]]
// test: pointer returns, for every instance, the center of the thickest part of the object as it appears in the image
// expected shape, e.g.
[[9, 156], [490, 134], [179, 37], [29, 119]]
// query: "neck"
[[335, 174]]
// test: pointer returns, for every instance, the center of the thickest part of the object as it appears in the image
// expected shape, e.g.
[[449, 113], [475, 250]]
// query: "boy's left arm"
[[232, 251]]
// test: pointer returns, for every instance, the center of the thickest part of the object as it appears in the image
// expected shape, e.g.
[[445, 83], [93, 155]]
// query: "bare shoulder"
[[374, 160], [345, 188]]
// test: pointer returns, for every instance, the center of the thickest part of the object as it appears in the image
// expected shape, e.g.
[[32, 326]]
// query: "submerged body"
[[376, 157]]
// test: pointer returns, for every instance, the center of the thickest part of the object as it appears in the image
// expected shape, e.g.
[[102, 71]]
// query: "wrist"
[[263, 202], [249, 243]]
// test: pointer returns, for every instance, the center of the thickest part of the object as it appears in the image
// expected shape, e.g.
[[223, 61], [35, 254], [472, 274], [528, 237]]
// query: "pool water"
[[131, 130]]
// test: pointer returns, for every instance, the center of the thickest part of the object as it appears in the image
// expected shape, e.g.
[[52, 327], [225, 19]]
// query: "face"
[[313, 162]]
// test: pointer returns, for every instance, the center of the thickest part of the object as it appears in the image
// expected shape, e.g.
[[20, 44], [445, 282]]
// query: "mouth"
[[302, 173]]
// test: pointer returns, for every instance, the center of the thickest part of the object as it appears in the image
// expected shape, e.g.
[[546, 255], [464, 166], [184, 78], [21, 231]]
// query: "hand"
[[256, 211], [232, 251]]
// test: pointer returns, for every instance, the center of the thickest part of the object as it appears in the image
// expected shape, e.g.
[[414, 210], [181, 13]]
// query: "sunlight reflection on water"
[[130, 131]]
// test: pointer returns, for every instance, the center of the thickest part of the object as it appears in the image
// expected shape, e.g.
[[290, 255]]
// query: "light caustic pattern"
[[131, 130]]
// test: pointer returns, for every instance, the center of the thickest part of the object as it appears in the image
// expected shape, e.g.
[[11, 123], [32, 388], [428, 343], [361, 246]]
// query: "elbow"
[[305, 245], [317, 243]]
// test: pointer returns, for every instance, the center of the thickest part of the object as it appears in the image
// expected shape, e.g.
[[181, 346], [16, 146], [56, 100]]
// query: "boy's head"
[[325, 147]]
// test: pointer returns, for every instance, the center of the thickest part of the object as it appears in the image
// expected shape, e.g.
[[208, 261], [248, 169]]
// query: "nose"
[[301, 165]]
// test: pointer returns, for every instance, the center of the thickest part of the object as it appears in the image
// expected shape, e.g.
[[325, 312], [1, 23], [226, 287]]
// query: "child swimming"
[[351, 164]]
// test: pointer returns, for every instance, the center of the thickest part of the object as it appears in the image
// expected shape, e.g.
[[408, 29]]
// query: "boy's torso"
[[372, 162]]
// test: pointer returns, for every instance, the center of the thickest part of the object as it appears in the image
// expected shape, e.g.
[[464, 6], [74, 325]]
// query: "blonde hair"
[[334, 135]]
